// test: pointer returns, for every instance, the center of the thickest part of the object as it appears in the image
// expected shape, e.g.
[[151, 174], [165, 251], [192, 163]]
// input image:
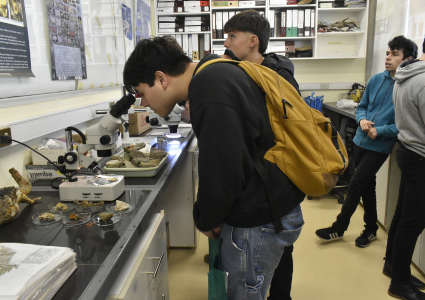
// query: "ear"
[[254, 41], [408, 58], [162, 78]]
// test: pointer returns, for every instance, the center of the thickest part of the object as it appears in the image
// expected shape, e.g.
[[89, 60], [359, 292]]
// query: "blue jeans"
[[250, 255]]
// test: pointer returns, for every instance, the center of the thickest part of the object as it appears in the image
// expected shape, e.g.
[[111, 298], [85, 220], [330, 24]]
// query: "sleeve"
[[361, 111], [225, 161], [387, 130], [421, 103]]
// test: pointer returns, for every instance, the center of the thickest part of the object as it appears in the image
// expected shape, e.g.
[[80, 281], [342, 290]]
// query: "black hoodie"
[[229, 117], [283, 66]]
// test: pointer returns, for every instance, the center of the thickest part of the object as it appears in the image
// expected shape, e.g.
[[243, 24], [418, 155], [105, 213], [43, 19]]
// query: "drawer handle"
[[158, 266]]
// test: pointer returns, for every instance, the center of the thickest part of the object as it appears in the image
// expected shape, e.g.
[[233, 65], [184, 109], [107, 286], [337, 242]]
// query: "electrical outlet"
[[5, 131], [324, 86]]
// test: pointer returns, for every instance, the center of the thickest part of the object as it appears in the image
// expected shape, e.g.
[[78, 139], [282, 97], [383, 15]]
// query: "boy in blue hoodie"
[[374, 141]]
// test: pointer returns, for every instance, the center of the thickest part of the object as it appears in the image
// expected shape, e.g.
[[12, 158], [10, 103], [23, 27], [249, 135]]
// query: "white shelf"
[[340, 33], [218, 40], [277, 38], [183, 14], [292, 6], [340, 9], [236, 7], [197, 32]]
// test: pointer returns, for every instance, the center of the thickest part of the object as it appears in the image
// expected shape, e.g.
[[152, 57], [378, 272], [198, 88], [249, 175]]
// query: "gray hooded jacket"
[[409, 105]]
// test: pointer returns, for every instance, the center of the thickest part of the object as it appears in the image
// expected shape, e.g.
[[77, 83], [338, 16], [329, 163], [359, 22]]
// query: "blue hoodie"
[[377, 106]]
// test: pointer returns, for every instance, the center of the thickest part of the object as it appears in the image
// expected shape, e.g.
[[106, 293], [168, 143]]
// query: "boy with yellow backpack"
[[255, 218]]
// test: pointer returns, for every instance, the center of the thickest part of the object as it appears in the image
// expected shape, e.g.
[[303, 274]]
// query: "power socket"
[[5, 131], [324, 86]]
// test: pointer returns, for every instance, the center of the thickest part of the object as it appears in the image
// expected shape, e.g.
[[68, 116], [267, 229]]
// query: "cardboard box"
[[138, 123]]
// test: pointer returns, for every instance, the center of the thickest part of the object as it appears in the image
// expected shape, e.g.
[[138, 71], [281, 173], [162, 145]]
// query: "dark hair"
[[401, 43], [423, 46], [151, 55], [250, 20]]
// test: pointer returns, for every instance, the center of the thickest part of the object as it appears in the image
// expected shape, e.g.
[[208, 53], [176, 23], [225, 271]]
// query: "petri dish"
[[111, 208], [70, 219], [56, 217], [116, 218], [88, 209], [52, 207]]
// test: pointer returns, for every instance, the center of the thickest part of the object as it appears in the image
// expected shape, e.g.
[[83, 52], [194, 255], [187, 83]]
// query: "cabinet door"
[[381, 194]]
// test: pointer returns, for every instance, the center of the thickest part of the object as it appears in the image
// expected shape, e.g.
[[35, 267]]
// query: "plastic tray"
[[81, 219], [137, 172]]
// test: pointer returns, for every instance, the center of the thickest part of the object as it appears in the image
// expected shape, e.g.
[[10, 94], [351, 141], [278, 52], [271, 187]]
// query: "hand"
[[366, 125], [373, 134], [212, 234]]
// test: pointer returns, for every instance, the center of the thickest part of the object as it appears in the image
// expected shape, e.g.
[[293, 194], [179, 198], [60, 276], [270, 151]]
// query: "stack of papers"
[[33, 272]]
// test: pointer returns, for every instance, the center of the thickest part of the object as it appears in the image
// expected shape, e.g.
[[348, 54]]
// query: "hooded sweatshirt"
[[283, 66], [377, 106], [409, 103]]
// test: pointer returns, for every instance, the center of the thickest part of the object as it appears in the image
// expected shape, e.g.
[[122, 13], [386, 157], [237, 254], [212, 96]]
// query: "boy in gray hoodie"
[[409, 218]]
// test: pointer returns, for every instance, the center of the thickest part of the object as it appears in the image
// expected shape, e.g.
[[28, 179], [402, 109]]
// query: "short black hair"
[[401, 43], [250, 20], [150, 55], [423, 46]]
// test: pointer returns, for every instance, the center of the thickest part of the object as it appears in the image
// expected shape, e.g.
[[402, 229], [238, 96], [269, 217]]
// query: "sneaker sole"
[[395, 296], [330, 240], [364, 246]]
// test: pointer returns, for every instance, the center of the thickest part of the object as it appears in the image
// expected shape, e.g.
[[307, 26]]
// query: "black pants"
[[362, 184], [280, 287], [409, 218]]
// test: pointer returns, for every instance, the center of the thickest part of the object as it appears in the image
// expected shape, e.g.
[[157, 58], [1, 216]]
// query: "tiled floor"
[[322, 271]]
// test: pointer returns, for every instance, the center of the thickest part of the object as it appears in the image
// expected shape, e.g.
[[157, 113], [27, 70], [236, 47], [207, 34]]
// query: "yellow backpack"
[[308, 148]]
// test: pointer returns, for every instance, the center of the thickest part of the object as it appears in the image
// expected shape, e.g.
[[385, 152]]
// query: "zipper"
[[285, 116], [382, 104]]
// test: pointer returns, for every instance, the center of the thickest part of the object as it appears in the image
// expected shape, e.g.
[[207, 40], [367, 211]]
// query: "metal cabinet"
[[145, 274]]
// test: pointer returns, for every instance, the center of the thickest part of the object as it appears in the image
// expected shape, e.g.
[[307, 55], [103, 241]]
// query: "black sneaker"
[[330, 234], [365, 238]]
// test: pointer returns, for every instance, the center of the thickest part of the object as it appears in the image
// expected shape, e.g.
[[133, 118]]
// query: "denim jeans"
[[409, 217], [250, 255], [362, 184]]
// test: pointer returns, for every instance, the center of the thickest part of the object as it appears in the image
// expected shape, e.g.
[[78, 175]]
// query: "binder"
[[232, 13], [246, 3], [205, 3], [179, 40], [207, 45], [170, 30], [260, 2], [170, 25], [261, 12], [192, 28], [195, 47], [219, 24], [291, 2], [294, 31], [171, 19], [165, 10], [205, 27], [195, 23], [166, 4], [189, 50], [178, 9], [307, 18], [272, 20], [301, 22], [233, 4], [289, 15], [276, 22], [200, 18], [193, 3], [185, 38], [312, 23], [283, 18], [214, 31], [225, 19]]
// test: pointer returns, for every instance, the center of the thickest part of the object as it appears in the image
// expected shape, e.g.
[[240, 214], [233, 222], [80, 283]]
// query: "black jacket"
[[229, 117]]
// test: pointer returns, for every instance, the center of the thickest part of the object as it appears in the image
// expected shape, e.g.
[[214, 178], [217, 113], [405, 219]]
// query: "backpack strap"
[[216, 60], [273, 200], [336, 144]]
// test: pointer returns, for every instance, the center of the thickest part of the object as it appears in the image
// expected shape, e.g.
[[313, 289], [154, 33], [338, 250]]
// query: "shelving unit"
[[330, 45]]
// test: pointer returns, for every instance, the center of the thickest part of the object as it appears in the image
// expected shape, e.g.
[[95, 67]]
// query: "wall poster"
[[67, 50], [128, 30], [143, 20], [15, 58]]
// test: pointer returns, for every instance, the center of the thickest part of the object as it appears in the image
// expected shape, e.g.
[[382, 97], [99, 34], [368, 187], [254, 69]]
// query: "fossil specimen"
[[10, 197], [105, 216], [121, 205], [46, 217]]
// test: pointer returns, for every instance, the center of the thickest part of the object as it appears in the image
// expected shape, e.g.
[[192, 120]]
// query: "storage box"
[[138, 123], [51, 154]]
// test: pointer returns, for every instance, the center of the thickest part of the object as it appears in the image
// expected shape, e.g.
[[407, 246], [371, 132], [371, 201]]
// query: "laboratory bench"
[[104, 253]]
